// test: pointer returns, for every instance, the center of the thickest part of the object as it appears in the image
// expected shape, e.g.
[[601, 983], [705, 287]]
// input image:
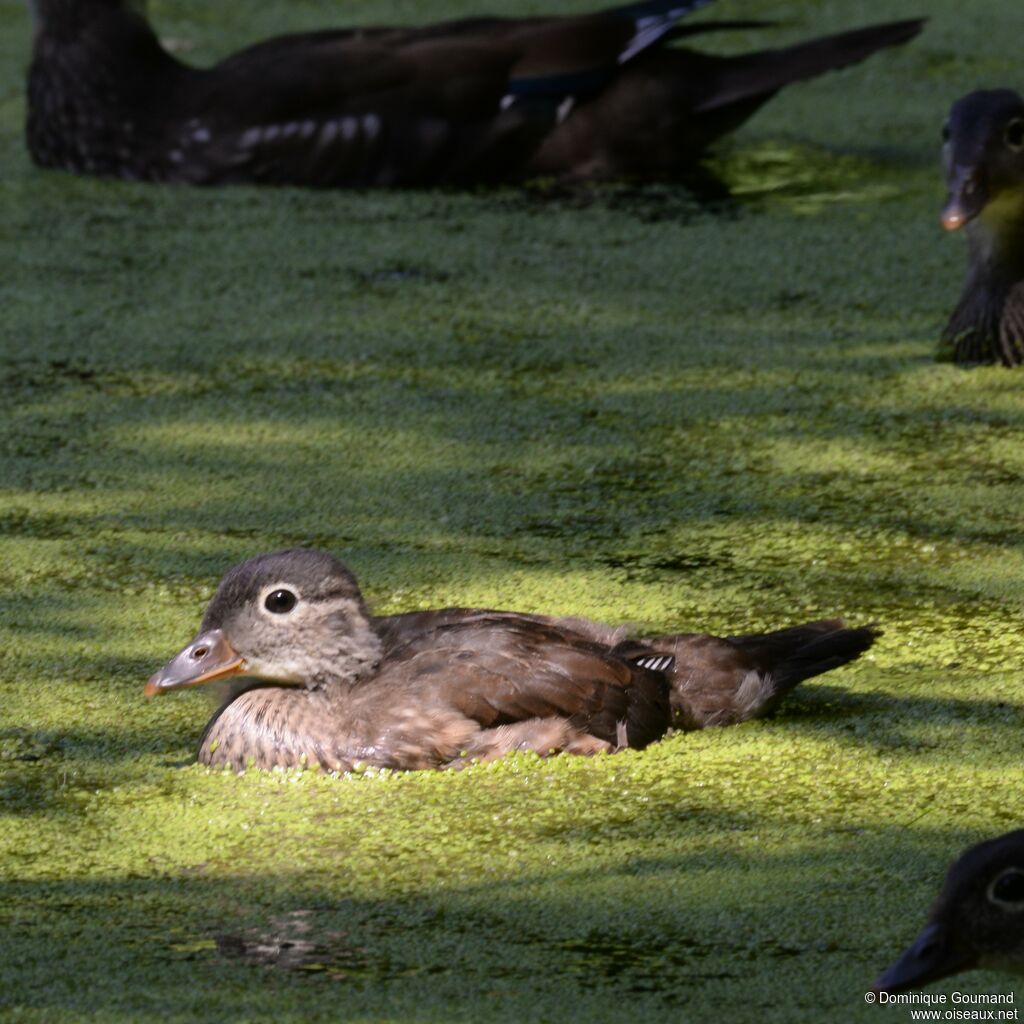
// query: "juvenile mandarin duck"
[[983, 161], [977, 920], [325, 683], [469, 102]]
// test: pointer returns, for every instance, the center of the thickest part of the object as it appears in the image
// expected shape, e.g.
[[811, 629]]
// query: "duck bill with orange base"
[[207, 658]]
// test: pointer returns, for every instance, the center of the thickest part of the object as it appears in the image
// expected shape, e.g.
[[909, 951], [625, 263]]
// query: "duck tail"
[[722, 681], [757, 76], [801, 652]]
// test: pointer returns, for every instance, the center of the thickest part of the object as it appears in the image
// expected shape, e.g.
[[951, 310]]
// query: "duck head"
[[983, 159], [293, 618], [977, 920]]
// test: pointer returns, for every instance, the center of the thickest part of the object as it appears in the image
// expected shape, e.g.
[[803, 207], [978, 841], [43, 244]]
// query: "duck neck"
[[351, 653], [996, 239], [988, 323]]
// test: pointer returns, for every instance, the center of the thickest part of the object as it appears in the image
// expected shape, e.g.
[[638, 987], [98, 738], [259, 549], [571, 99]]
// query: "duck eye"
[[946, 132], [280, 601], [1008, 889], [1013, 136]]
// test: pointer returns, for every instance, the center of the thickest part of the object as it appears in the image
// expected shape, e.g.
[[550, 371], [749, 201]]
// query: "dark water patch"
[[22, 521], [43, 437], [684, 202], [668, 962], [34, 374], [399, 273], [586, 527], [646, 568], [63, 772], [18, 744], [665, 963], [790, 298], [889, 721], [294, 942], [222, 947]]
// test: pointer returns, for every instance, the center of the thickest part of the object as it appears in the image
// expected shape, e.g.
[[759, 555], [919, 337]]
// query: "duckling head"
[[293, 618], [977, 920], [983, 159]]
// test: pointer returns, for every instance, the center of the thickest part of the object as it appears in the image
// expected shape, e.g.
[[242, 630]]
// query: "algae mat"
[[628, 408]]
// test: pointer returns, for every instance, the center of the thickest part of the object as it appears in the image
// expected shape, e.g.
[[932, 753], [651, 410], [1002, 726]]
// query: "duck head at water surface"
[[297, 615], [314, 678], [983, 164], [476, 101], [977, 920]]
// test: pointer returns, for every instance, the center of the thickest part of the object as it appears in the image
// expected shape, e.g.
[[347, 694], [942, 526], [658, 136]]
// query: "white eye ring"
[[1015, 902], [279, 599]]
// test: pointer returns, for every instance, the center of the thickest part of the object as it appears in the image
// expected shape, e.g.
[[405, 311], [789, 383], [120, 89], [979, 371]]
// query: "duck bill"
[[967, 197], [208, 657], [931, 956]]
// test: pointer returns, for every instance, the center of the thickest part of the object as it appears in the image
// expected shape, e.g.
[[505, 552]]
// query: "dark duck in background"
[[983, 161], [476, 101], [977, 920], [311, 677]]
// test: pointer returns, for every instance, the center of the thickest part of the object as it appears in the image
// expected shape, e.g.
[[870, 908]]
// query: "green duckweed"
[[623, 406]]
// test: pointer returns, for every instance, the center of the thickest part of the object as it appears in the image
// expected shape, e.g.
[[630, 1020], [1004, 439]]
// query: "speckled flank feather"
[[1011, 327], [480, 100], [987, 325], [972, 333]]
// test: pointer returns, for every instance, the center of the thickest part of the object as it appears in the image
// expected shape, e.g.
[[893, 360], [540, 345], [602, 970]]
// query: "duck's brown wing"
[[397, 630], [400, 629], [465, 101], [500, 670]]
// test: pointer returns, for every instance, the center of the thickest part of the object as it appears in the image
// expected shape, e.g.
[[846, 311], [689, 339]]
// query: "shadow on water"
[[250, 947], [632, 453]]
